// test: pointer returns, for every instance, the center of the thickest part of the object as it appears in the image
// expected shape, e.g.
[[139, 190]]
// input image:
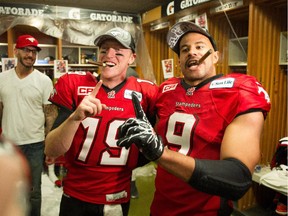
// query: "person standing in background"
[[89, 110], [25, 111]]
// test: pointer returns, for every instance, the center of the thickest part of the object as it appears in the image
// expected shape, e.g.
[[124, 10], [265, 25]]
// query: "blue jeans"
[[34, 154]]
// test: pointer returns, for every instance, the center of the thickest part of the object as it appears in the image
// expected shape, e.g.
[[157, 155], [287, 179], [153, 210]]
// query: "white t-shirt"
[[23, 99]]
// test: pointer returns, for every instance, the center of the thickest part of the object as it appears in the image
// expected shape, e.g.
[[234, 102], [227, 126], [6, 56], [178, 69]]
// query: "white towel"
[[277, 179], [113, 210]]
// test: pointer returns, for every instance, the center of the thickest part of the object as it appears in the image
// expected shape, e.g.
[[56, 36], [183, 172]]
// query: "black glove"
[[140, 132]]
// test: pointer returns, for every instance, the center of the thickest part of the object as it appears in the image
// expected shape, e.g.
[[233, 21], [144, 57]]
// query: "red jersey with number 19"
[[192, 122], [98, 171]]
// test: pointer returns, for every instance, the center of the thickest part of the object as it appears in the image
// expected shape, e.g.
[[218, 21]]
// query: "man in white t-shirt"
[[24, 110]]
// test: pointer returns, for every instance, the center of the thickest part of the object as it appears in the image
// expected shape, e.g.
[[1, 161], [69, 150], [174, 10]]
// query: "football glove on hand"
[[140, 132]]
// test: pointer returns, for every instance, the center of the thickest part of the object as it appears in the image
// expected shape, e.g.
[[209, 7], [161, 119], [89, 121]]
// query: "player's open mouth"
[[191, 62], [109, 64]]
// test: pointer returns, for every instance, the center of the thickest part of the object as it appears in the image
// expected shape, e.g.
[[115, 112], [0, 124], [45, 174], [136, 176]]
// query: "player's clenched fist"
[[90, 105], [140, 132]]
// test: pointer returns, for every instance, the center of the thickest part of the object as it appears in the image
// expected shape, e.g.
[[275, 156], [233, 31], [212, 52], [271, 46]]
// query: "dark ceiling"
[[126, 6]]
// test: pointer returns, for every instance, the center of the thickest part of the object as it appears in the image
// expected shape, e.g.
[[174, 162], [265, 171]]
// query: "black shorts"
[[70, 206]]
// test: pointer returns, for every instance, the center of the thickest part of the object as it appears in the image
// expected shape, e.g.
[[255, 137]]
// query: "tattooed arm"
[[51, 113]]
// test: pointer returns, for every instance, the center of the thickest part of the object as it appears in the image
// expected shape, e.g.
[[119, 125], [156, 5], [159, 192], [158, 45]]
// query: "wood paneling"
[[151, 15], [263, 63], [158, 50], [10, 42], [265, 24]]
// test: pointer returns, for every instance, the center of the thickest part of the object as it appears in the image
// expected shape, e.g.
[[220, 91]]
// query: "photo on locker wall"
[[60, 68], [8, 63], [167, 67]]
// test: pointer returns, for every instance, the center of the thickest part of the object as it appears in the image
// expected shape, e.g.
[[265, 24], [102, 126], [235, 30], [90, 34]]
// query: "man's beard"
[[26, 66]]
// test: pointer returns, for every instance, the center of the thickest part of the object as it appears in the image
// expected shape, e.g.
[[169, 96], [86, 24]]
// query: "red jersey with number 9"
[[193, 122]]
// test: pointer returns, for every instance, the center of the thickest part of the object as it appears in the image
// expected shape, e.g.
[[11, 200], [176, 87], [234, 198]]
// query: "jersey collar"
[[191, 89], [116, 88], [187, 86]]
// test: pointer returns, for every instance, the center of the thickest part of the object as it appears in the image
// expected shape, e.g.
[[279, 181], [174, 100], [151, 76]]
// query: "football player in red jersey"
[[210, 126], [90, 111]]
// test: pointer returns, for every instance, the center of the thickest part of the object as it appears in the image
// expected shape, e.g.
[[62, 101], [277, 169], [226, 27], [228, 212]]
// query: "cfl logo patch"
[[84, 90], [169, 87]]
